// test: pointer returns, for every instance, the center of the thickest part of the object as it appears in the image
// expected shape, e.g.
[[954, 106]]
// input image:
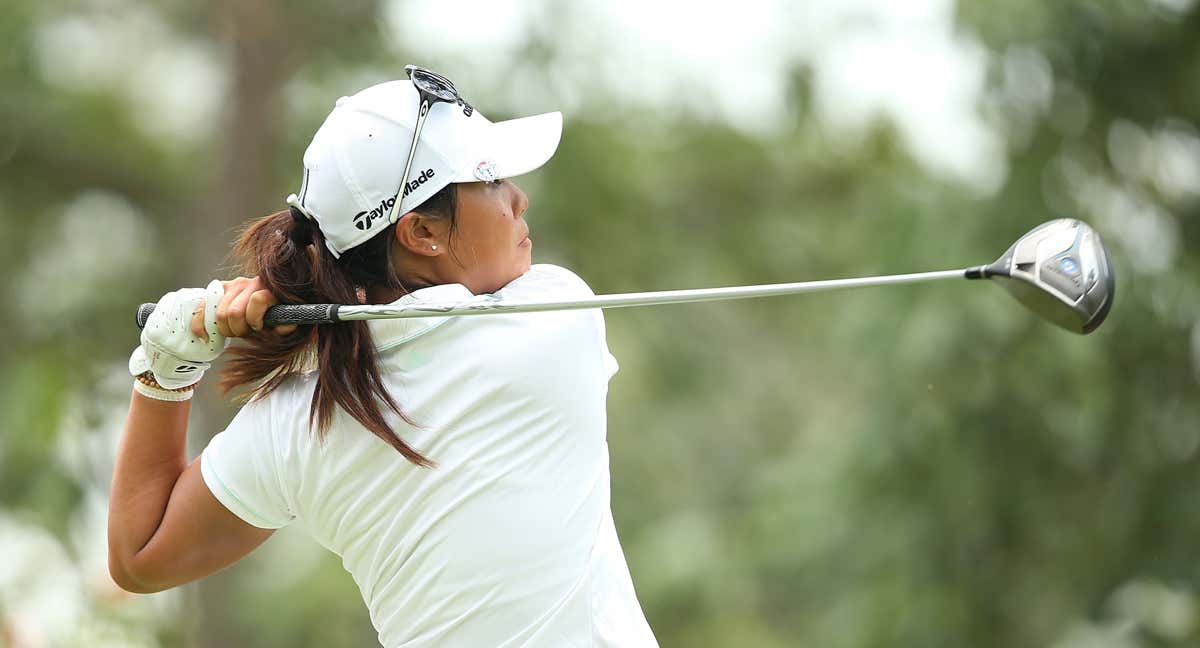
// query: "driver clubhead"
[[1061, 271]]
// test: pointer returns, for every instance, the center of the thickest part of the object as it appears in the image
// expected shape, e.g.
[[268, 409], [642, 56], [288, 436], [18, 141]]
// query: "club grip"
[[280, 314]]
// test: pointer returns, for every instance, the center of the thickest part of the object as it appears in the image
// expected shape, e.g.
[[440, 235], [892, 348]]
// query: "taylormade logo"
[[363, 220]]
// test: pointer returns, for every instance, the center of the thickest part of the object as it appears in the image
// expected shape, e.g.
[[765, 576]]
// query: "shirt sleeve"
[[240, 466]]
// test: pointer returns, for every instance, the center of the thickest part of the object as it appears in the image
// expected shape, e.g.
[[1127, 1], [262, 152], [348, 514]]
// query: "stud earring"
[[435, 247]]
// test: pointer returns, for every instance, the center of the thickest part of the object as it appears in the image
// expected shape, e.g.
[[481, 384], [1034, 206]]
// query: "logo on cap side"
[[425, 176], [363, 220]]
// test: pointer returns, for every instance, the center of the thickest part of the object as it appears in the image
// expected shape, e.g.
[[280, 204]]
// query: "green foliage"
[[910, 466]]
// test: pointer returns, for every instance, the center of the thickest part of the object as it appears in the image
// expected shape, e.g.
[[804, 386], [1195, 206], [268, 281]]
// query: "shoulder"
[[547, 281], [560, 338], [524, 338], [274, 426], [283, 410]]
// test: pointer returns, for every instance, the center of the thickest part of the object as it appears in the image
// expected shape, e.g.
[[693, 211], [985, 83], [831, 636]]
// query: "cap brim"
[[515, 146]]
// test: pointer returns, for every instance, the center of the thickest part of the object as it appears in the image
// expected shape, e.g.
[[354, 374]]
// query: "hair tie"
[[301, 233]]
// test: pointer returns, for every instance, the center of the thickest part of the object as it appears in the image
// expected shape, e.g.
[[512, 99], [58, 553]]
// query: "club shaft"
[[332, 313], [483, 307]]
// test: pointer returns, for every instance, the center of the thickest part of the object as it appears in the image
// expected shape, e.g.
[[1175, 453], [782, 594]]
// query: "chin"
[[518, 272]]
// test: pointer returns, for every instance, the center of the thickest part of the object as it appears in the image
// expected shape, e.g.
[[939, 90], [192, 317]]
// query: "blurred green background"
[[909, 466]]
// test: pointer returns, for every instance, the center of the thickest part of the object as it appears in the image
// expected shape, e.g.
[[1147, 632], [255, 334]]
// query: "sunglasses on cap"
[[433, 88]]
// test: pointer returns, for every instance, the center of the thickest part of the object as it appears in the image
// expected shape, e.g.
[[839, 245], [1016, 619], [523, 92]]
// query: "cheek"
[[488, 244], [485, 242], [483, 239]]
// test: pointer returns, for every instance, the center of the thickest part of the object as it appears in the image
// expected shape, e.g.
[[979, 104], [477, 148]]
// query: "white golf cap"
[[353, 166]]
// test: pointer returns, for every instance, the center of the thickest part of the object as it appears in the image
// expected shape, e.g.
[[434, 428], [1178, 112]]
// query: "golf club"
[[1059, 270]]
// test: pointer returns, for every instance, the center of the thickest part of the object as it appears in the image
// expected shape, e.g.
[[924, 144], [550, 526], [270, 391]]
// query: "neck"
[[412, 277], [415, 272], [384, 294]]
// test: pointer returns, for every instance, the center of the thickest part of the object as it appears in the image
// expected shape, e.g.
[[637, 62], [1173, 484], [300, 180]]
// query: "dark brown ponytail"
[[289, 256]]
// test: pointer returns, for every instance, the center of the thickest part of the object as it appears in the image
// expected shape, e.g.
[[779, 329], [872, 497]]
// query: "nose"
[[520, 201]]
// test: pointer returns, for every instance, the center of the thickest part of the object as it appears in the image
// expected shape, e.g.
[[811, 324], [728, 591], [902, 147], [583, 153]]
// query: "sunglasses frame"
[[433, 88]]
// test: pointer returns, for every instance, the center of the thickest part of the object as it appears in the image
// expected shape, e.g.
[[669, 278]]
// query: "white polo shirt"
[[509, 540]]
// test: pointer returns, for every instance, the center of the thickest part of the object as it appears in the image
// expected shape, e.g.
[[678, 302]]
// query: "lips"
[[524, 238]]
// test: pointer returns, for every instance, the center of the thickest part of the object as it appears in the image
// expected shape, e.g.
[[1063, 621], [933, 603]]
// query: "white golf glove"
[[169, 349]]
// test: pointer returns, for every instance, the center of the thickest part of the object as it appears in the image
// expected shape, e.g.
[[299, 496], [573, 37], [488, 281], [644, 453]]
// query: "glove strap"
[[147, 386]]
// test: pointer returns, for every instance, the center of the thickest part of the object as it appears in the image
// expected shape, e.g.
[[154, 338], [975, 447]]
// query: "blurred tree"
[[909, 466]]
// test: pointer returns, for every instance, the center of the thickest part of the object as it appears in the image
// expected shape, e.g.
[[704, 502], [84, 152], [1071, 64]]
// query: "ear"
[[421, 235]]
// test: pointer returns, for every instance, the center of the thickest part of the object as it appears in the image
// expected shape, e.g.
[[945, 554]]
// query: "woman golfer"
[[457, 465]]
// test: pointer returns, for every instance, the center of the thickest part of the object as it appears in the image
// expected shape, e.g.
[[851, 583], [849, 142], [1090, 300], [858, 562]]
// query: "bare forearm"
[[150, 457]]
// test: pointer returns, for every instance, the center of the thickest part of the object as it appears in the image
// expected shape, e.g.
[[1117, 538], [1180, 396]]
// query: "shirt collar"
[[391, 333]]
